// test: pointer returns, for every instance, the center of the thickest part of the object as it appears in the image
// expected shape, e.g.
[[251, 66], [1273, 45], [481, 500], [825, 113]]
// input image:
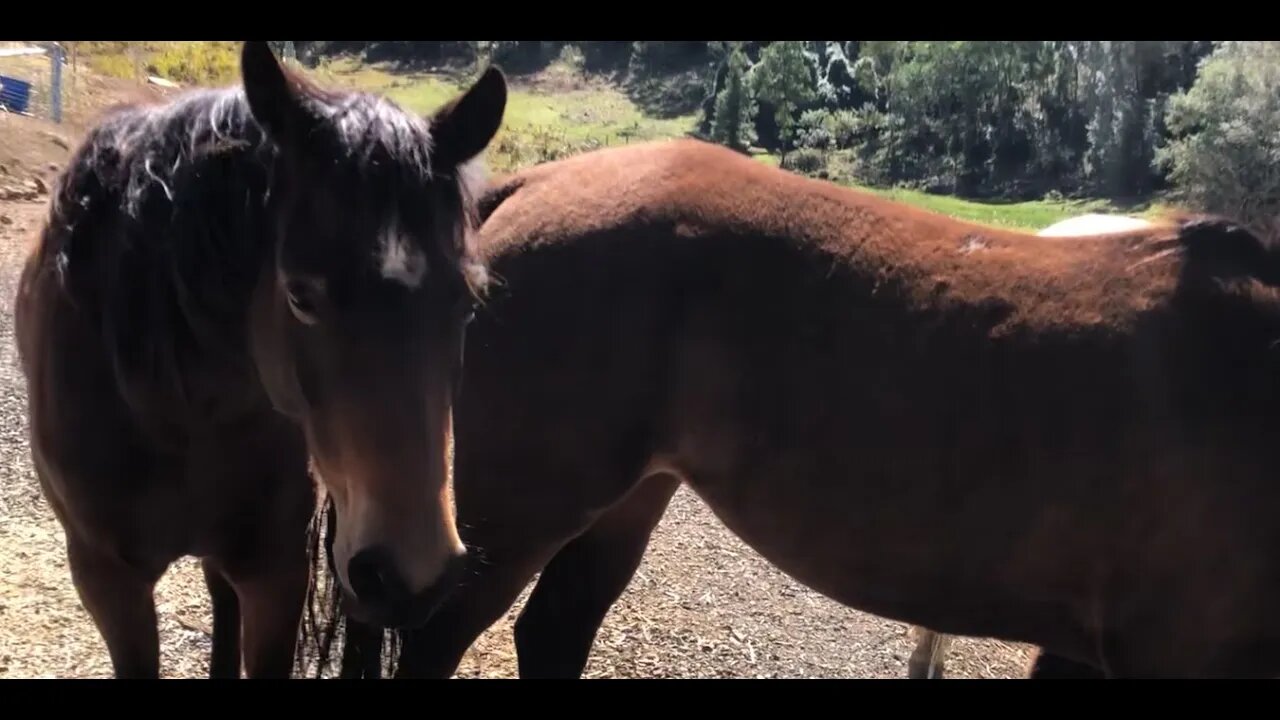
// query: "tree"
[[784, 78], [1224, 153], [734, 120]]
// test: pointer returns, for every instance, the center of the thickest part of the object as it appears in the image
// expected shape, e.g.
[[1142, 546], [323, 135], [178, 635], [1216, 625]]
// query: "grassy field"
[[558, 113], [1031, 215], [542, 126]]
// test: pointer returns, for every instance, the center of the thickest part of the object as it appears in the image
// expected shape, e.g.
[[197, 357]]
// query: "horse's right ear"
[[464, 126], [275, 99]]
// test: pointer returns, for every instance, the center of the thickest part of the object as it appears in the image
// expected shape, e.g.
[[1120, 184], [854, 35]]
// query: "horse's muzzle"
[[379, 595]]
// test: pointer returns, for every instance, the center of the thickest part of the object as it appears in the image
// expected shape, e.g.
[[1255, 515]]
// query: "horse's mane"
[[160, 225], [156, 229]]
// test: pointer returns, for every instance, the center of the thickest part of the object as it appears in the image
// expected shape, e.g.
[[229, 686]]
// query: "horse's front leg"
[[1049, 666], [225, 660], [361, 651], [271, 602], [436, 649], [120, 598], [575, 591]]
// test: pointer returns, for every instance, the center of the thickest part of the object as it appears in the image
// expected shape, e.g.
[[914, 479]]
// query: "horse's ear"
[[275, 99], [463, 128]]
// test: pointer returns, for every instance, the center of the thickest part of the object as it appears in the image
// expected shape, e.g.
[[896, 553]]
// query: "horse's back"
[[692, 192]]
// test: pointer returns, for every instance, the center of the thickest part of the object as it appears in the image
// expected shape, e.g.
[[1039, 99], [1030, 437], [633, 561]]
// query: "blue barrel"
[[15, 94]]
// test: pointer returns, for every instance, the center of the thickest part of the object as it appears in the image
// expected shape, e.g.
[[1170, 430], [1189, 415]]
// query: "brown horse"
[[1068, 444], [227, 286]]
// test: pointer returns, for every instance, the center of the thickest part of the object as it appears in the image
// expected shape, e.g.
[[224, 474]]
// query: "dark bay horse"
[[1068, 444], [231, 287]]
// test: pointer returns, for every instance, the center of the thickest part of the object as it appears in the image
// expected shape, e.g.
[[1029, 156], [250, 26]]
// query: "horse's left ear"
[[275, 97], [463, 128]]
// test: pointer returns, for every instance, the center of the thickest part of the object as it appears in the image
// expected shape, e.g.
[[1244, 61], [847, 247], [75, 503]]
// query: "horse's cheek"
[[281, 385], [273, 356]]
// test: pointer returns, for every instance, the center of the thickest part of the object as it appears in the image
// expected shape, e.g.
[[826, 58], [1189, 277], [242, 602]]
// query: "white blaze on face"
[[400, 260]]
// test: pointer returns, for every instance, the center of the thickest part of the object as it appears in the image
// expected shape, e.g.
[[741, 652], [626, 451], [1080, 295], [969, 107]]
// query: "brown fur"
[[1069, 444], [205, 313]]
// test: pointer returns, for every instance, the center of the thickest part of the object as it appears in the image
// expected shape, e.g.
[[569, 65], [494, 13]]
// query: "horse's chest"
[[144, 521], [150, 512]]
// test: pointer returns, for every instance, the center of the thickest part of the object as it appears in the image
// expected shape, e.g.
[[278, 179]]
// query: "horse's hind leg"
[[929, 657], [225, 660], [558, 625], [120, 599]]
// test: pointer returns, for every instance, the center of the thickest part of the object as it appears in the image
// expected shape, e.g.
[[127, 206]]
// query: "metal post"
[[55, 94]]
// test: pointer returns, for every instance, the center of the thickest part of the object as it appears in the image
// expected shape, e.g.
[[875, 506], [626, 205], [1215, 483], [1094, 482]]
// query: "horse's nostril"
[[374, 579]]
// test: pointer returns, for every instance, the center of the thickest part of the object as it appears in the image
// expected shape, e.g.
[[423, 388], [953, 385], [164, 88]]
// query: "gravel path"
[[702, 605]]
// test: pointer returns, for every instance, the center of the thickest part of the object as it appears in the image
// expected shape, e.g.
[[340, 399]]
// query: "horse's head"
[[358, 320]]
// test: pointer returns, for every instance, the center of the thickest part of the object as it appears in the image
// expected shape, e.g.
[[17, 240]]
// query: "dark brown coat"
[[1070, 444]]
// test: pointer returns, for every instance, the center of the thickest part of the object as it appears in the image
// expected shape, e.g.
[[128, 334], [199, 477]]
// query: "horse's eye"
[[304, 299]]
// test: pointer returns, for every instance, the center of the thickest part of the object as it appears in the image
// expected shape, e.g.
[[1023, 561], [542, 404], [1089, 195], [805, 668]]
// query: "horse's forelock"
[[157, 193], [389, 147]]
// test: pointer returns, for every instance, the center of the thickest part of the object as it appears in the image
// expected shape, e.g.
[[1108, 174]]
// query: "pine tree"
[[735, 111]]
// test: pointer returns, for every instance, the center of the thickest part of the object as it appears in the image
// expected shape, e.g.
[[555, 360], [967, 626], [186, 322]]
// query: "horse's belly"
[[900, 554]]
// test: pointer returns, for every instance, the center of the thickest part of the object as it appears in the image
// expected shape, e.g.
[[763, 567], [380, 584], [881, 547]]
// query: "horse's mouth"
[[406, 613]]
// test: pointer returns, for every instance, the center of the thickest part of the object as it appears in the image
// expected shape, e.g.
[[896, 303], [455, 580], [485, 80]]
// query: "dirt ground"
[[702, 604]]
